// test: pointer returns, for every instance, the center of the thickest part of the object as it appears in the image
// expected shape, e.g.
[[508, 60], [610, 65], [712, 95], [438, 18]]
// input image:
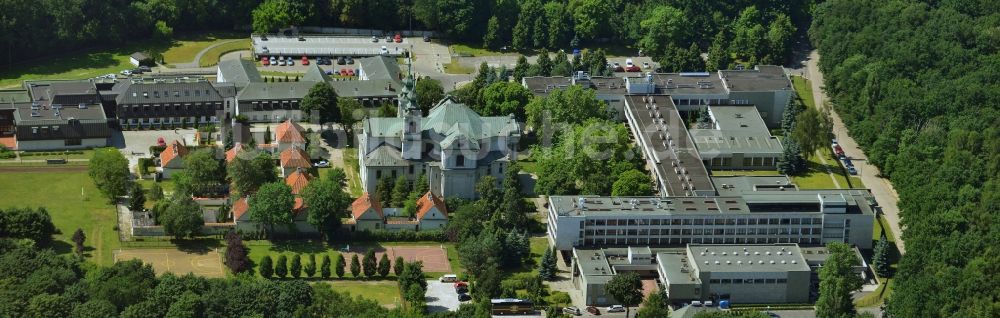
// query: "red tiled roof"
[[240, 207], [295, 157], [289, 132], [231, 153], [174, 150], [298, 180], [362, 204], [426, 202]]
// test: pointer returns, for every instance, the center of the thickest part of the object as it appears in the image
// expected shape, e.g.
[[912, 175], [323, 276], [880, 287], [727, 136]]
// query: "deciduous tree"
[[626, 288], [429, 93], [632, 183], [272, 205], [321, 101], [182, 218], [109, 170]]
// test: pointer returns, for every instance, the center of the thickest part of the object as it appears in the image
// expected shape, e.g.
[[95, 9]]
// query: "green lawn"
[[76, 65], [469, 50], [803, 88], [185, 48], [386, 293], [817, 176], [351, 169], [457, 68], [73, 202], [211, 57]]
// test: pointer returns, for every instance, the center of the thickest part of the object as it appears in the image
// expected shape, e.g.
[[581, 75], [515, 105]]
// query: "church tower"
[[409, 111]]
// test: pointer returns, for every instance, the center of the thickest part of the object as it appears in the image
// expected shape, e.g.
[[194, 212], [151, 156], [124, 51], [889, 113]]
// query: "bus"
[[511, 306]]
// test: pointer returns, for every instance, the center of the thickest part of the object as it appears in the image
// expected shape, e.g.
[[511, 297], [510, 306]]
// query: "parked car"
[[265, 61], [126, 72], [398, 39], [343, 72], [384, 50], [290, 61], [322, 164], [628, 62], [145, 69], [160, 142], [462, 290], [305, 60], [632, 68], [572, 311], [329, 72], [374, 39], [464, 297], [448, 278], [852, 170], [302, 38], [645, 64], [281, 61], [351, 72], [274, 61], [616, 308], [341, 60], [461, 284], [137, 70], [593, 310], [349, 60], [388, 39], [427, 38]]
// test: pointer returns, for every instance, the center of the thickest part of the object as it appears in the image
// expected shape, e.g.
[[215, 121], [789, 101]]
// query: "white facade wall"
[[59, 144]]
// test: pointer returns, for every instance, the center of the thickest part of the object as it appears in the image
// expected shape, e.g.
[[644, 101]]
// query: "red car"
[[265, 61], [633, 68], [305, 60], [461, 284], [160, 142], [343, 72], [350, 72], [593, 310], [398, 39]]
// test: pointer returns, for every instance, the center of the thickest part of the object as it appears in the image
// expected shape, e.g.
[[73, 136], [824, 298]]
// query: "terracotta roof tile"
[[426, 202], [298, 180], [240, 207], [295, 157], [363, 204], [174, 150], [289, 132], [231, 153]]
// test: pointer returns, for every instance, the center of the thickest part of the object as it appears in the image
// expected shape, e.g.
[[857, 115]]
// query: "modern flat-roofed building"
[[667, 146], [60, 115], [744, 274], [610, 90], [763, 213], [736, 139], [766, 87]]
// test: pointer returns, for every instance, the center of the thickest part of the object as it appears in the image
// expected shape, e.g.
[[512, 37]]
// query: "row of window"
[[712, 221], [276, 118], [738, 281], [167, 120], [166, 94], [275, 105], [166, 108], [687, 232], [700, 240]]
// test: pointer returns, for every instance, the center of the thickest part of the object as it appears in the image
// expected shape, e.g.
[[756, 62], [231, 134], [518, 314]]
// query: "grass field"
[[211, 57], [457, 68], [185, 48], [386, 293], [803, 88], [818, 178], [73, 202], [469, 50], [76, 65], [351, 169]]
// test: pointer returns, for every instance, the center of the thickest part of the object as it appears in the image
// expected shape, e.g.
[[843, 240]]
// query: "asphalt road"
[[881, 188]]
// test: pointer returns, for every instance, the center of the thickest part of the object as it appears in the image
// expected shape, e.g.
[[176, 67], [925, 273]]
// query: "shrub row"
[[390, 236]]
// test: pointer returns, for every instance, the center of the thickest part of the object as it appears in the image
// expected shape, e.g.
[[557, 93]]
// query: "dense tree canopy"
[[109, 170], [916, 83]]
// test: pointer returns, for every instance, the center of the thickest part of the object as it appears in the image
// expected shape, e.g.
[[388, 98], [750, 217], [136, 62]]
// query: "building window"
[[460, 160], [411, 169]]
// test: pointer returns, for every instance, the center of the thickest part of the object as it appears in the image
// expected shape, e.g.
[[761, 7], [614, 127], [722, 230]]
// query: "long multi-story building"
[[164, 103], [748, 210]]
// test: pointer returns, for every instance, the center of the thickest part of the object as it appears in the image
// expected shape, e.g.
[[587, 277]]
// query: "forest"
[[918, 84], [760, 30]]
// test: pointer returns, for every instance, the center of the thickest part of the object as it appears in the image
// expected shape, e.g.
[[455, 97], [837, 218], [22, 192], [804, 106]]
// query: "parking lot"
[[313, 46], [441, 296]]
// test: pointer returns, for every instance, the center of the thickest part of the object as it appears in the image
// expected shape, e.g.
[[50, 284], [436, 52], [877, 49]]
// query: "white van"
[[449, 278]]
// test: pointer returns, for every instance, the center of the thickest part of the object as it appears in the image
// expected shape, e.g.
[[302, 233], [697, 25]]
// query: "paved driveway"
[[441, 297]]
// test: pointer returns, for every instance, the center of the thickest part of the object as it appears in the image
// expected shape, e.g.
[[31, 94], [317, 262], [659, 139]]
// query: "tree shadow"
[[61, 247], [198, 246]]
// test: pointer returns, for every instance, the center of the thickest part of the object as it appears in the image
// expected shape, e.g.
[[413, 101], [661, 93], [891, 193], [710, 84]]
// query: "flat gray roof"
[[747, 258], [671, 265], [675, 159], [737, 129], [761, 78], [684, 83], [542, 85]]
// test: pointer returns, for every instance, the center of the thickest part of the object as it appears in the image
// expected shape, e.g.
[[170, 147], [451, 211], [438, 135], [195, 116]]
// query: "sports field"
[[206, 263]]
